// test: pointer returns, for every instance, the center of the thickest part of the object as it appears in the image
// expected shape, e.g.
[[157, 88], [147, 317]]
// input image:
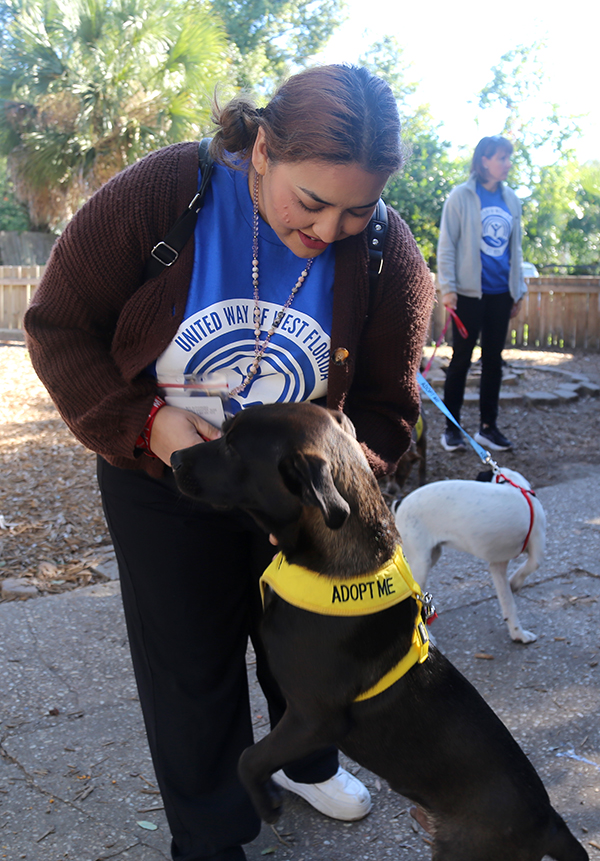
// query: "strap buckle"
[[428, 611], [165, 254]]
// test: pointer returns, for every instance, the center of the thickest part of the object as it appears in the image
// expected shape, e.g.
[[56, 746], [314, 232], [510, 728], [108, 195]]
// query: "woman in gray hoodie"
[[479, 274]]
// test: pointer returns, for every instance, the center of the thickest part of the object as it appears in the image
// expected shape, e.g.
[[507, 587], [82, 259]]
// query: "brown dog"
[[392, 486], [299, 472]]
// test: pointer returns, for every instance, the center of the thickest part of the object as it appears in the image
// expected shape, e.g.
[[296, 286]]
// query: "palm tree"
[[89, 86]]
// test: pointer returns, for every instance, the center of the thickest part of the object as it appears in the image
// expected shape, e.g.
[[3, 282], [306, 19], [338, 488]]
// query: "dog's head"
[[273, 460], [498, 478]]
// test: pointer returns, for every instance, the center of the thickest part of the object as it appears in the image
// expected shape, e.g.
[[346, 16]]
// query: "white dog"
[[493, 521]]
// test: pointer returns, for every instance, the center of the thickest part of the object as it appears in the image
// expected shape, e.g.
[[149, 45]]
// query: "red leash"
[[527, 494], [459, 324], [461, 329]]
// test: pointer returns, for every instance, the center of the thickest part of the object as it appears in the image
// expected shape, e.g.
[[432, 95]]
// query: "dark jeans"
[[189, 580], [488, 316]]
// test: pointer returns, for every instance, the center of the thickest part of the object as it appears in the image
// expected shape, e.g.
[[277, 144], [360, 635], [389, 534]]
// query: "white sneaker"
[[343, 796]]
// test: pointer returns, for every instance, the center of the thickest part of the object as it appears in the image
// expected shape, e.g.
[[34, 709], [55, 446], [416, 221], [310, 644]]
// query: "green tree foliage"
[[561, 199], [583, 229], [417, 192], [88, 86], [562, 215], [538, 130], [13, 215], [270, 36], [546, 213]]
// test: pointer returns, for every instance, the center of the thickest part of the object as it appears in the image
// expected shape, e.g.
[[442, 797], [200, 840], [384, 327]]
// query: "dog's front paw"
[[268, 801], [519, 635]]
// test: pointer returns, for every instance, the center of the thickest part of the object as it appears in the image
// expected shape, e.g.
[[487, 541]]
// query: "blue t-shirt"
[[496, 227], [216, 336]]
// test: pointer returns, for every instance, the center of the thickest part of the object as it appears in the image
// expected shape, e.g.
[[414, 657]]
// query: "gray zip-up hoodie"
[[459, 245]]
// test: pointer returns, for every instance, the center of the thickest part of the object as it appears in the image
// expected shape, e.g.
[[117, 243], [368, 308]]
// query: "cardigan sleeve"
[[448, 243], [83, 308], [383, 401]]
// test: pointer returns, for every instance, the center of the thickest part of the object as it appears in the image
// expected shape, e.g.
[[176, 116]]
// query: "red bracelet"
[[143, 441]]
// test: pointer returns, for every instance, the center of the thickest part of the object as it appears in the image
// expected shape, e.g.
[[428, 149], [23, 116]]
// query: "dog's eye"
[[227, 424]]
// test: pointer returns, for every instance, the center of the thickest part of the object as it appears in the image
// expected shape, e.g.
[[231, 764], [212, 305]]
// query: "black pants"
[[189, 580], [488, 316]]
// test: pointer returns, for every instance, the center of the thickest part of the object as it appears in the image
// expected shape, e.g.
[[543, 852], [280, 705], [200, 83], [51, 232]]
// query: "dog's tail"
[[562, 845]]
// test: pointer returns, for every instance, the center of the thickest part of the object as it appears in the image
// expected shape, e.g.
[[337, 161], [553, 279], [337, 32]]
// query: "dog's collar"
[[356, 596]]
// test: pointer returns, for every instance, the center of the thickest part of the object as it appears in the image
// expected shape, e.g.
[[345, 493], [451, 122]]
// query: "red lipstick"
[[313, 244]]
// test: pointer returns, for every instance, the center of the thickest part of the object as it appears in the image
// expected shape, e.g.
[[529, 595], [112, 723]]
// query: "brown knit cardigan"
[[93, 327]]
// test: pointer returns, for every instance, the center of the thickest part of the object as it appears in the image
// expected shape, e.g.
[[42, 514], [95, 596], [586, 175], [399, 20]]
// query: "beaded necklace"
[[260, 348]]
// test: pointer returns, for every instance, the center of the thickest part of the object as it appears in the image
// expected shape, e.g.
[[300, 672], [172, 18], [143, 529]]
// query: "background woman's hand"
[[174, 429], [516, 308], [450, 300]]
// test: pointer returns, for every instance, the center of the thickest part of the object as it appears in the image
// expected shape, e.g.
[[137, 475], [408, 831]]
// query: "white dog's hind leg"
[[535, 554], [530, 565], [507, 603]]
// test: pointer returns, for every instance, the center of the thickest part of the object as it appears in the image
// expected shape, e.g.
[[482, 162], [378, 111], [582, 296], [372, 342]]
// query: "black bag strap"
[[167, 251], [377, 230]]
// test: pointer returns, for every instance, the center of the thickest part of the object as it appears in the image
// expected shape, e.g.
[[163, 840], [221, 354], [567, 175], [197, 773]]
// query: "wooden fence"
[[17, 286], [557, 313]]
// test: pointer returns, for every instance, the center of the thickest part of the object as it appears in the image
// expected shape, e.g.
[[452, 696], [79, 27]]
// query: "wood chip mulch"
[[52, 529]]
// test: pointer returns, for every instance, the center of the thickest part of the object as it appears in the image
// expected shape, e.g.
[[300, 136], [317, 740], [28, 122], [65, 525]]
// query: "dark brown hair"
[[339, 113], [486, 148]]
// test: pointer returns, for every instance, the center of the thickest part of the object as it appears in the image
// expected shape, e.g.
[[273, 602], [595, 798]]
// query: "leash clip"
[[428, 610]]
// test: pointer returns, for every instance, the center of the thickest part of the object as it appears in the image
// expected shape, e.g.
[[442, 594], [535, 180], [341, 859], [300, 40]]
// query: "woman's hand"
[[516, 308], [174, 429], [450, 300]]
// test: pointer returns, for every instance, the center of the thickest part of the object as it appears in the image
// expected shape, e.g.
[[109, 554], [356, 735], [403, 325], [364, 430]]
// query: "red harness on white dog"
[[500, 478]]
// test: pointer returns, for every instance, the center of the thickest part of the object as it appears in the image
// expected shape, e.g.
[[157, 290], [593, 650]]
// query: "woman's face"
[[497, 166], [311, 204]]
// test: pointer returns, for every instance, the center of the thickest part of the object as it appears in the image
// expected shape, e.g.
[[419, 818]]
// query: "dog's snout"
[[176, 460]]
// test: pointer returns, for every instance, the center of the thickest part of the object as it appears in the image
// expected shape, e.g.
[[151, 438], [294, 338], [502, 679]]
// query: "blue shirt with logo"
[[216, 336], [496, 228]]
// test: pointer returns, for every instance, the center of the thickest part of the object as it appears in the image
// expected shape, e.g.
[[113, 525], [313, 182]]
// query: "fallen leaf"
[[483, 656], [47, 569], [149, 826]]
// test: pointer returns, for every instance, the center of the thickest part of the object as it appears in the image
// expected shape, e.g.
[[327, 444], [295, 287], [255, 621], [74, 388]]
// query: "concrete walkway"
[[76, 781]]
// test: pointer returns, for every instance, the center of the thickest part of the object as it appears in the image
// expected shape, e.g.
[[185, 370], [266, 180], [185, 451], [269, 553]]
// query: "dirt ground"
[[52, 531]]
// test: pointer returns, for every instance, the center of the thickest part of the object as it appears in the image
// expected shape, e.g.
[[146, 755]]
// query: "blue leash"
[[426, 387]]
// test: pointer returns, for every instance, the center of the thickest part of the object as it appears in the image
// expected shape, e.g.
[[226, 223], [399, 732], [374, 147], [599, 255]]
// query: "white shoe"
[[343, 796]]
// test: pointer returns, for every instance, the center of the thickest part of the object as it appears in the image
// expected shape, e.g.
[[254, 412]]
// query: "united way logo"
[[496, 226], [219, 340]]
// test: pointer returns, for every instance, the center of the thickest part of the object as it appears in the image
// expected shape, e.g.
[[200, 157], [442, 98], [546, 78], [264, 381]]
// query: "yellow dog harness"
[[355, 596]]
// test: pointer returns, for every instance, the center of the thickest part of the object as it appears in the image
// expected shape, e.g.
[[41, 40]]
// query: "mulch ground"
[[52, 530]]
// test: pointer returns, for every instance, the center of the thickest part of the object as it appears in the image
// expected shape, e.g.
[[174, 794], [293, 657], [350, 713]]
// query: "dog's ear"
[[344, 422], [309, 477], [485, 475]]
